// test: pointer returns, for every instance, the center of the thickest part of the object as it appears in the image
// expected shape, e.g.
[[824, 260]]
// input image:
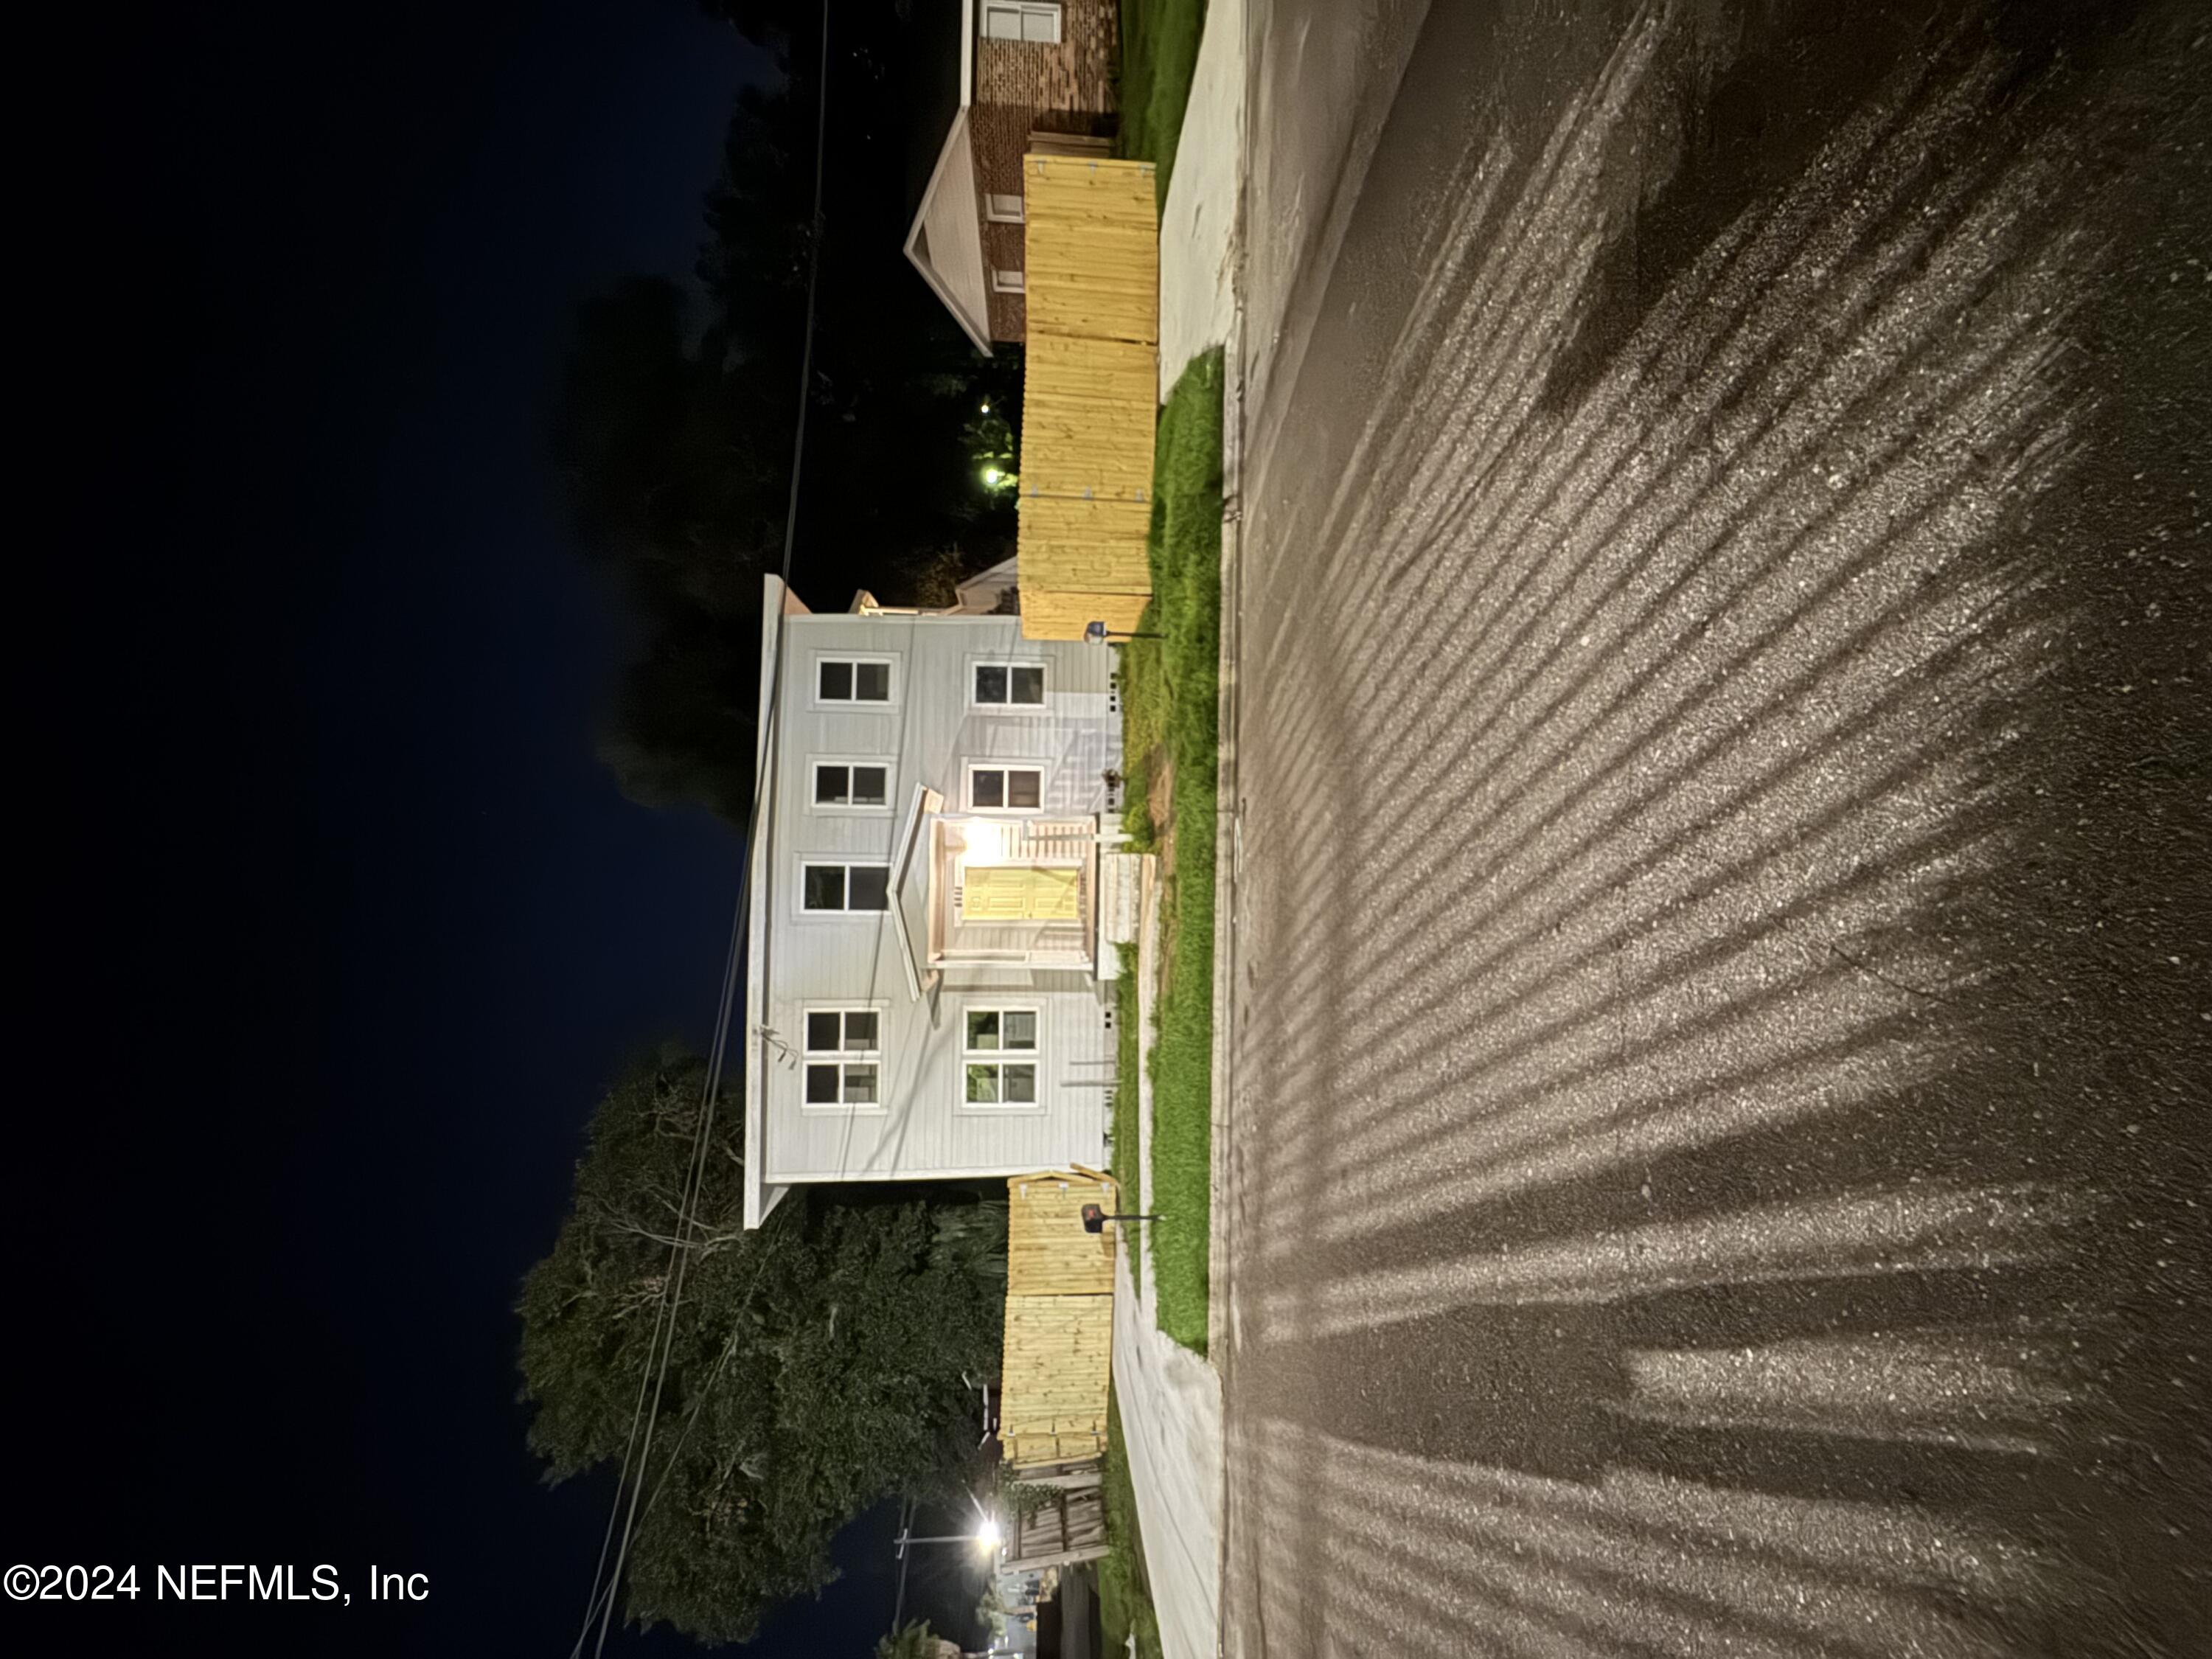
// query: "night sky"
[[337, 927]]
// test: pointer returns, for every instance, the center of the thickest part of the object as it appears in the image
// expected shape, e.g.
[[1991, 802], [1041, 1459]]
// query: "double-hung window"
[[841, 887], [852, 786], [1037, 22], [844, 1057], [999, 1053], [862, 680], [1004, 281], [1009, 685], [1005, 788], [1003, 208]]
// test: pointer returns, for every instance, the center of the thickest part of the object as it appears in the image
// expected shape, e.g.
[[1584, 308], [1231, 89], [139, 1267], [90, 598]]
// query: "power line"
[[605, 1592], [664, 1336], [663, 1316]]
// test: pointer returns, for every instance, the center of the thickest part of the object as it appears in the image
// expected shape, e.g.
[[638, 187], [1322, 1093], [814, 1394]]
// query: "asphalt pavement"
[[1721, 1133]]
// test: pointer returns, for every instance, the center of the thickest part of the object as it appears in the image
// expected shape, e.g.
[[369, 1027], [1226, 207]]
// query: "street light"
[[985, 1539]]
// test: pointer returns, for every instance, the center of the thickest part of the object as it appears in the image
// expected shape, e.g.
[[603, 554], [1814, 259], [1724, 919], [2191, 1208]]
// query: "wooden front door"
[[1021, 892]]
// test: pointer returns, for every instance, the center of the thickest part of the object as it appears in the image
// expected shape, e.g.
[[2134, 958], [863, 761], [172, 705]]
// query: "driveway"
[[1720, 1142]]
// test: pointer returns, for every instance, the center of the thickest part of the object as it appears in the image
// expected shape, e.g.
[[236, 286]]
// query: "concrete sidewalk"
[[1201, 230], [1171, 1398], [1170, 1402], [1171, 1408]]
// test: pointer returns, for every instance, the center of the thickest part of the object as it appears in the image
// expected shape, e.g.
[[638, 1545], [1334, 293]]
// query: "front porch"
[[1012, 893]]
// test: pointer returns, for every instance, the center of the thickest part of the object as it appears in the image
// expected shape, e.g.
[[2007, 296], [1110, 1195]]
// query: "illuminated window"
[[1037, 22]]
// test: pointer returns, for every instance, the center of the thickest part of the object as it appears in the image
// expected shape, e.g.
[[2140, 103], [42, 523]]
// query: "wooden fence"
[[1059, 1319], [1090, 394], [1067, 1524]]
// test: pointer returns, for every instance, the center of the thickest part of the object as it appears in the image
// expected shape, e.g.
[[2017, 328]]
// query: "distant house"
[[1036, 77], [931, 896]]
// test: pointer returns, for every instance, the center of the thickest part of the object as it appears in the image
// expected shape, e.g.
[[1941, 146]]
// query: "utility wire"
[[679, 1255], [605, 1592], [663, 1313]]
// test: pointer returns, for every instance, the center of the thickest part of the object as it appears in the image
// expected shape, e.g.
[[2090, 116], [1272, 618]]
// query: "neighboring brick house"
[[1035, 75]]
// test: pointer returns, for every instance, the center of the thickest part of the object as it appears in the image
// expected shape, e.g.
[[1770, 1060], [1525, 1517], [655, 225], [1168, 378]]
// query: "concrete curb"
[[1228, 847], [1221, 1311]]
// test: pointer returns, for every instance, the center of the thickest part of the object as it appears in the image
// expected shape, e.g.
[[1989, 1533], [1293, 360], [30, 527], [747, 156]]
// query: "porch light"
[[989, 841]]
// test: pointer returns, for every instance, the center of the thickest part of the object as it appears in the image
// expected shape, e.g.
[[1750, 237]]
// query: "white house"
[[924, 992]]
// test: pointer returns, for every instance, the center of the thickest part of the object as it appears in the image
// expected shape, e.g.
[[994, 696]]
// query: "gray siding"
[[929, 734]]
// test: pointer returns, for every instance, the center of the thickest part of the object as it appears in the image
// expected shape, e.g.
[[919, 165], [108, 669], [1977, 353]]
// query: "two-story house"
[[924, 994], [1036, 77]]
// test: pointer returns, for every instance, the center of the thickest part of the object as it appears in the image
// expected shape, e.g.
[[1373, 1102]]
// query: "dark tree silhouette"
[[816, 1367], [674, 435]]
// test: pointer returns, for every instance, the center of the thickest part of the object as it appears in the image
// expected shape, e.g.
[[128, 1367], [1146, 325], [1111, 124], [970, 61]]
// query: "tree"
[[912, 1640], [815, 1369], [674, 432]]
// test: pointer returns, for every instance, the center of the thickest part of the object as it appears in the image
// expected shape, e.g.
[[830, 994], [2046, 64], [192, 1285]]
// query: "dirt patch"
[[1159, 807], [1159, 803]]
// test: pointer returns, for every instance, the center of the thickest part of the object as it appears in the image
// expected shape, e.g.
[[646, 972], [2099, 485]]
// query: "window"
[[1006, 282], [830, 887], [1010, 685], [1037, 22], [844, 1058], [1005, 788], [852, 786], [1001, 1051], [1002, 210], [852, 679]]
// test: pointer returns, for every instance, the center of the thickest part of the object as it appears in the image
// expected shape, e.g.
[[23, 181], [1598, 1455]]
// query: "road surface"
[[1719, 1140]]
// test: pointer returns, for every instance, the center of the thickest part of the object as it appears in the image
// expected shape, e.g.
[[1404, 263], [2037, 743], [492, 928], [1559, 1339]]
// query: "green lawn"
[[1170, 688], [1159, 51], [1125, 1602]]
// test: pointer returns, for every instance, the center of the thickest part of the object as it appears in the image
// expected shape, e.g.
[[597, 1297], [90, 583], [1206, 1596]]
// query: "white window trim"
[[999, 1056], [882, 809], [852, 705], [814, 861], [999, 216], [1043, 769], [1025, 9], [1039, 707], [1009, 281], [844, 1057]]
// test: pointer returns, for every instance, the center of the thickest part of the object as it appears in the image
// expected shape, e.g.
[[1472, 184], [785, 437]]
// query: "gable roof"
[[946, 242]]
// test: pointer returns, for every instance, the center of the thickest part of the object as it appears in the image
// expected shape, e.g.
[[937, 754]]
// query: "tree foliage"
[[816, 1365], [912, 1640], [674, 432]]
